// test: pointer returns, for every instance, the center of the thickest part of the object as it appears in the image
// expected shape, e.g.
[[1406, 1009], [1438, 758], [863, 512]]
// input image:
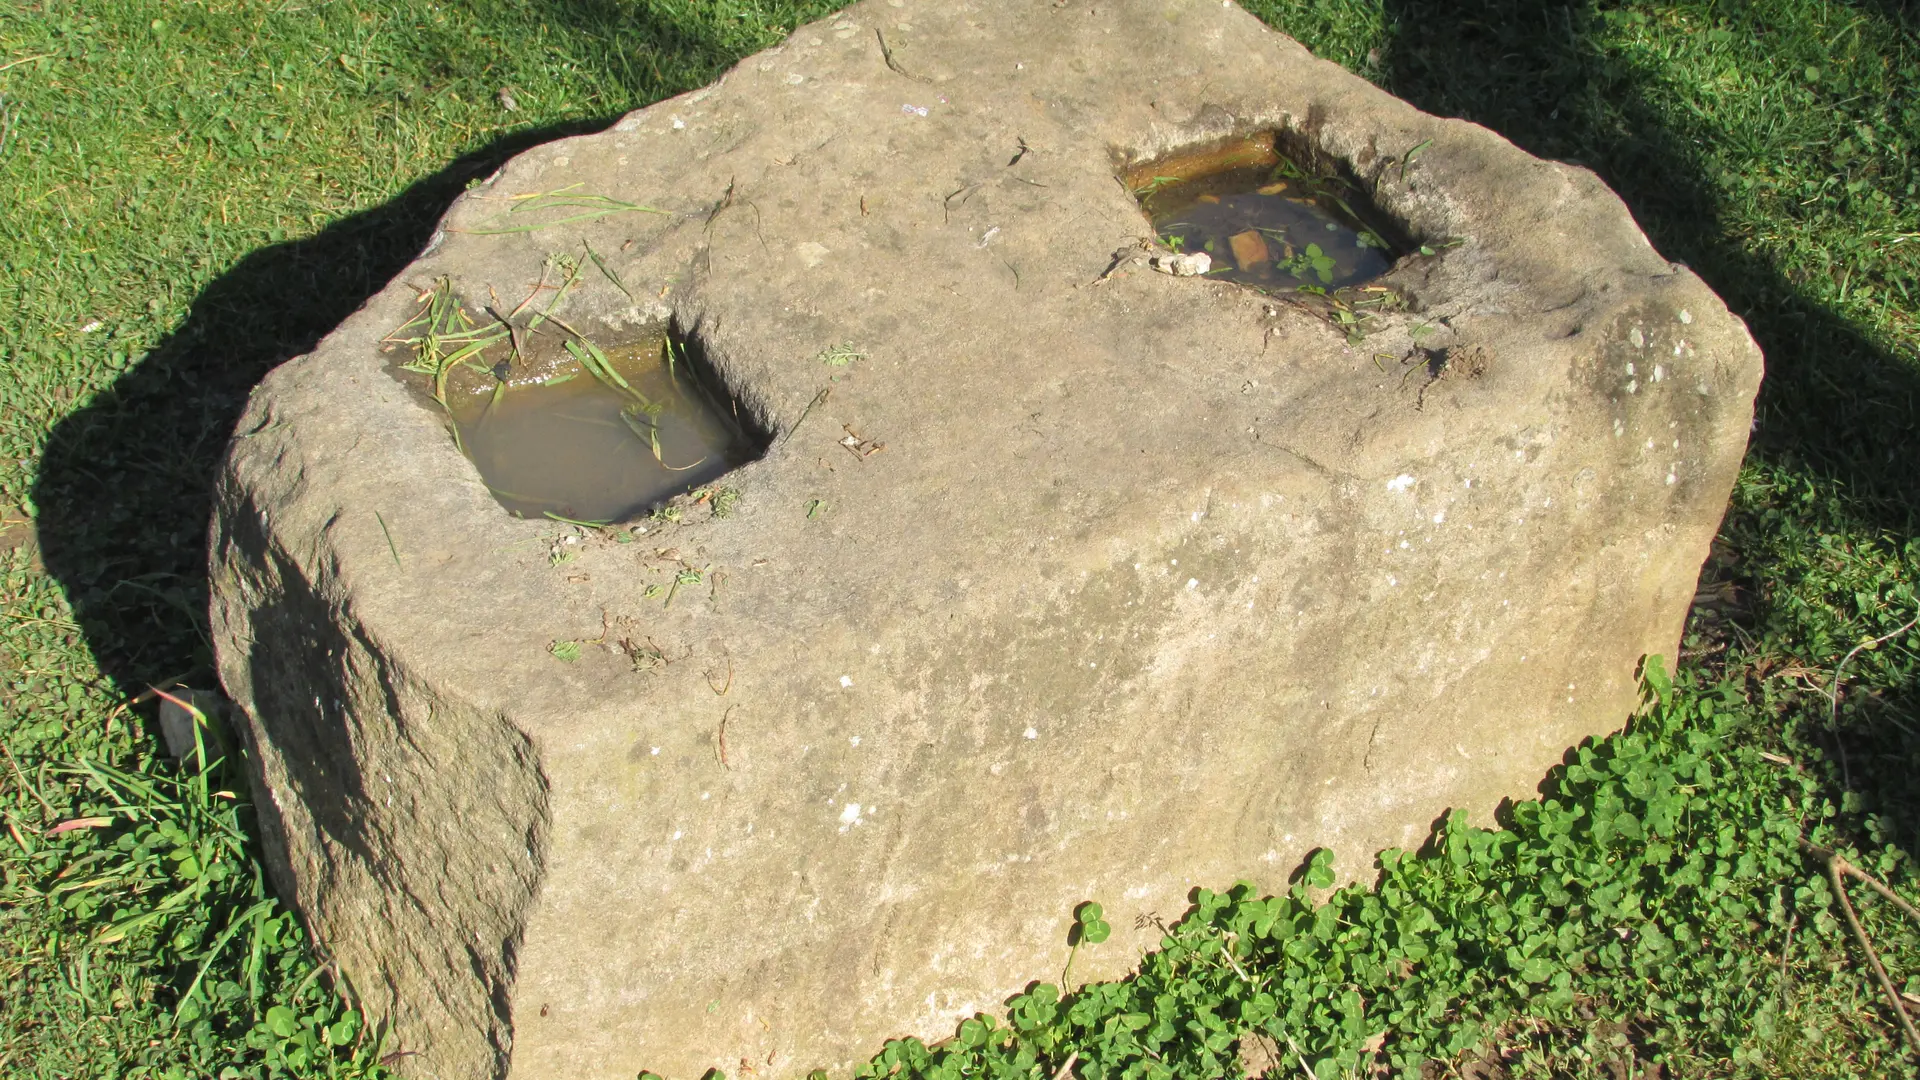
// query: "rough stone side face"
[[1158, 582], [389, 808]]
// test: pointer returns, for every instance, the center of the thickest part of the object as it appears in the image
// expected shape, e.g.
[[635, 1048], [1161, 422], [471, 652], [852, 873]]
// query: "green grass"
[[195, 192]]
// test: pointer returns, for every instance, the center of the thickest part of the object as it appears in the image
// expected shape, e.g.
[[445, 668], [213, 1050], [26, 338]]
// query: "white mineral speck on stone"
[[655, 751], [1686, 316], [705, 795], [1629, 367], [1031, 733], [1659, 372], [795, 78], [1400, 483], [1391, 580], [679, 124], [853, 740], [1639, 339], [850, 815], [1440, 518], [1633, 387], [1192, 583], [1671, 479]]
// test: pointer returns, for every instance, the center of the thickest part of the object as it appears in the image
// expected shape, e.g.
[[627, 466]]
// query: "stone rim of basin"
[[1156, 584]]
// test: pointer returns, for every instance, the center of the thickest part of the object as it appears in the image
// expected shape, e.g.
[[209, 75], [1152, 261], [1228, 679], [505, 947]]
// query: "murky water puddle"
[[1265, 219], [593, 436]]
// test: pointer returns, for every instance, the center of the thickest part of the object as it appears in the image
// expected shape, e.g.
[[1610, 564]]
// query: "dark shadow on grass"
[[1837, 412], [124, 488], [125, 484]]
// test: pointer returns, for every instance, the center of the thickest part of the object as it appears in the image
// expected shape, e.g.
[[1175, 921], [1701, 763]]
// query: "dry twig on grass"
[[1839, 869]]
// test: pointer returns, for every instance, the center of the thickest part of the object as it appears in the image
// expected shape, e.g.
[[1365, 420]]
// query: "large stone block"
[[1157, 582]]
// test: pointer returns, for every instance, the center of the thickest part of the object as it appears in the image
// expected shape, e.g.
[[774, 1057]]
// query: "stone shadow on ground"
[[124, 490], [1836, 411]]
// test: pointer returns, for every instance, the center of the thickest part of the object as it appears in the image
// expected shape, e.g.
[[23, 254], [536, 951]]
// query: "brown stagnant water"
[[1265, 219], [560, 442]]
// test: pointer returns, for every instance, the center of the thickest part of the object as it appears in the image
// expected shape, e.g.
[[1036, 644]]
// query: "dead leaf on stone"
[[859, 447]]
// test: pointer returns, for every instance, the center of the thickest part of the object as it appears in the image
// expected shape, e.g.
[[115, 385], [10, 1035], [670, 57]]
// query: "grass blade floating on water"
[[573, 521], [646, 431]]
